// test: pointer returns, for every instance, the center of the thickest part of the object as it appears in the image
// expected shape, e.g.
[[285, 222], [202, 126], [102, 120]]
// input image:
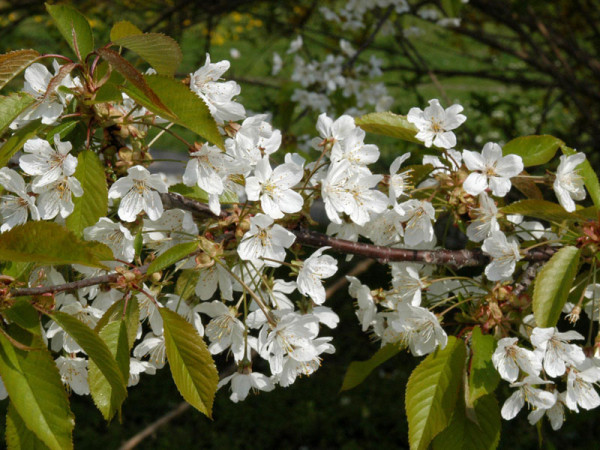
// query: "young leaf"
[[35, 389], [160, 51], [18, 436], [483, 377], [195, 193], [589, 177], [388, 124], [50, 243], [63, 130], [552, 286], [115, 313], [186, 283], [172, 255], [11, 106], [12, 63], [358, 371], [74, 28], [14, 143], [122, 29], [110, 374], [134, 76], [534, 150], [464, 434], [107, 399], [542, 209], [432, 391], [191, 363], [93, 204], [24, 315], [186, 108]]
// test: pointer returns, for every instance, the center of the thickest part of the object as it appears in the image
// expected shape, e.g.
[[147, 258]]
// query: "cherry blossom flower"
[[509, 357], [333, 132], [174, 227], [116, 236], [366, 305], [255, 138], [486, 221], [265, 240], [136, 368], [408, 285], [398, 182], [504, 253], [139, 191], [274, 188], [568, 184], [435, 123], [580, 386], [14, 208], [556, 414], [385, 228], [419, 328], [491, 170], [56, 198], [73, 372], [211, 278], [313, 270], [536, 397], [353, 149], [46, 163], [218, 96], [418, 215], [224, 330], [556, 350], [241, 383], [154, 346]]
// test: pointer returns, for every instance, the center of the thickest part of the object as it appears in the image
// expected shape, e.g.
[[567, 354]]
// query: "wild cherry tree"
[[110, 271]]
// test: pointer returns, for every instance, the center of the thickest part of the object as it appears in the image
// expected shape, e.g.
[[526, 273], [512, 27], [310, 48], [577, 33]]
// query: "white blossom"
[[366, 305], [536, 397], [255, 138], [73, 372], [154, 346], [556, 349], [504, 253], [485, 221], [491, 169], [56, 198], [418, 215], [408, 285], [224, 330], [419, 328], [274, 188], [139, 191], [174, 227], [116, 236], [313, 270], [14, 208], [509, 357], [435, 124], [241, 383], [265, 242], [217, 95], [568, 185], [47, 164], [556, 414], [580, 386], [398, 182]]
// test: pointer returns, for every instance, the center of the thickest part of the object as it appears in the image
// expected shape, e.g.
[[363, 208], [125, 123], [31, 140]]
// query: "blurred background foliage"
[[517, 67]]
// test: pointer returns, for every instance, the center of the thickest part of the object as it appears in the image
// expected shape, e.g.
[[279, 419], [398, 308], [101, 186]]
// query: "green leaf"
[[12, 63], [432, 391], [172, 255], [186, 108], [102, 357], [191, 363], [18, 270], [589, 176], [358, 371], [195, 193], [14, 143], [36, 390], [186, 283], [74, 28], [542, 209], [11, 106], [50, 243], [107, 399], [18, 436], [24, 315], [483, 377], [534, 150], [63, 130], [122, 29], [463, 433], [136, 78], [552, 286], [388, 124], [130, 316], [93, 204], [160, 51]]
